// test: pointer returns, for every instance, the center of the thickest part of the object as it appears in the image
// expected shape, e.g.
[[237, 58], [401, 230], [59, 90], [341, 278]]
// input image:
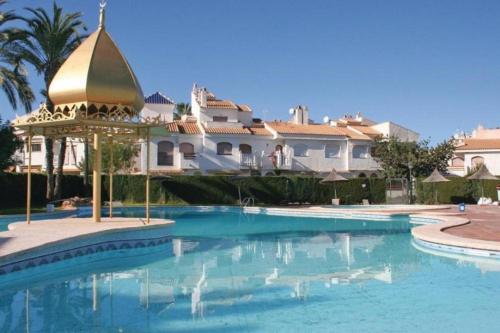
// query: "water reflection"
[[212, 283], [203, 278]]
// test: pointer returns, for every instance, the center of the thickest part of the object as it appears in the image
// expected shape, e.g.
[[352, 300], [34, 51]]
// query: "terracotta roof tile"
[[184, 127], [257, 130], [221, 104], [227, 130], [366, 130], [319, 129], [479, 144]]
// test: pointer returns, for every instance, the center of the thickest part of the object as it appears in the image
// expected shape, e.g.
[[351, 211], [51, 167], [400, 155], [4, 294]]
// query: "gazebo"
[[97, 96], [482, 174], [333, 177], [435, 177]]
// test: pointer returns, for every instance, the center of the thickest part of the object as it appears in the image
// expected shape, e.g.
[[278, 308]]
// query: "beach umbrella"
[[435, 177], [333, 177], [482, 174]]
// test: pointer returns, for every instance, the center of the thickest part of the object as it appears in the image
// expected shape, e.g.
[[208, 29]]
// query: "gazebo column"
[[96, 186], [28, 181], [110, 176], [148, 137]]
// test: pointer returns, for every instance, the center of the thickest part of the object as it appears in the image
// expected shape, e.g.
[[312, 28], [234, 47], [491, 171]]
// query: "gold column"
[[147, 174], [110, 176], [96, 186], [28, 182]]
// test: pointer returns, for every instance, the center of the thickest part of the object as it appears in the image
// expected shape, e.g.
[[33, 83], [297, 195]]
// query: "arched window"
[[187, 150], [245, 149], [477, 161], [300, 150], [332, 151], [360, 151], [457, 162], [165, 153], [224, 148], [362, 175], [373, 175]]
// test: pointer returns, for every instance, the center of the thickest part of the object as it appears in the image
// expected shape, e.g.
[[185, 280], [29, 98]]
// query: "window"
[[165, 153], [360, 151], [332, 151], [477, 161], [457, 162], [224, 148], [221, 119], [36, 147], [187, 150], [245, 149], [300, 150]]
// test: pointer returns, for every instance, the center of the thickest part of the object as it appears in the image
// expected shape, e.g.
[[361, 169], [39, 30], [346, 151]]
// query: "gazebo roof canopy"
[[94, 90], [333, 176], [482, 174], [435, 177]]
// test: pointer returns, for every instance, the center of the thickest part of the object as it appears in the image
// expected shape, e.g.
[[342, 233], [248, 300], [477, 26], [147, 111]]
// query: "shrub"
[[457, 190]]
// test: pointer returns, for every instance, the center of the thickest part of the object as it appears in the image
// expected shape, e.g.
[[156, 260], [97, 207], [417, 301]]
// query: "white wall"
[[389, 129], [491, 160], [164, 111]]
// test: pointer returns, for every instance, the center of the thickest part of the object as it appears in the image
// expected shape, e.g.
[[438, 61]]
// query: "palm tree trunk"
[[49, 166], [59, 170]]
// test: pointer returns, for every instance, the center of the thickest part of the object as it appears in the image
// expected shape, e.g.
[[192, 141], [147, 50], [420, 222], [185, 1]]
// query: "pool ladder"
[[248, 201]]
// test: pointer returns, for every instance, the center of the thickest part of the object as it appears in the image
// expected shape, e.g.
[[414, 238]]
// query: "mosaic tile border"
[[457, 249], [82, 251]]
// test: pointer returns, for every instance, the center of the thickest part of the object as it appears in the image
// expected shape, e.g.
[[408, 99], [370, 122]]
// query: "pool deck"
[[23, 239]]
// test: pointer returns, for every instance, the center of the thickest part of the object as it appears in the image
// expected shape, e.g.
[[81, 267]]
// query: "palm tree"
[[182, 109], [46, 44], [13, 76]]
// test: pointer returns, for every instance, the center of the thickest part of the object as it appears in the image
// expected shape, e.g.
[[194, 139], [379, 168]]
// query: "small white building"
[[221, 136], [482, 146]]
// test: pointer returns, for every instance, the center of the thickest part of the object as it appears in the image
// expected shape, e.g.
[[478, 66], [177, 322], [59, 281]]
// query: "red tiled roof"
[[257, 130], [183, 127], [214, 103], [315, 129], [479, 144], [366, 130]]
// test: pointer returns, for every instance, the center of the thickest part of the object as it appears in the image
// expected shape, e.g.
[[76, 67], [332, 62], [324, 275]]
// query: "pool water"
[[235, 272]]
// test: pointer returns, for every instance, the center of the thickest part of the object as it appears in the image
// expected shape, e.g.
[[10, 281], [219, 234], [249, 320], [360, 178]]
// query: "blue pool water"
[[231, 272]]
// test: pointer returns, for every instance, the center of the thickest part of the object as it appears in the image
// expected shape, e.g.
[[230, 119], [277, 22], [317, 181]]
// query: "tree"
[[46, 43], [9, 143], [124, 156], [182, 109], [395, 156], [13, 75]]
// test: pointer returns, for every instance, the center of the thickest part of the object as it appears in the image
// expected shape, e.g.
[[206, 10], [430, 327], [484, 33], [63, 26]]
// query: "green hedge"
[[13, 189], [206, 190], [224, 190], [457, 190]]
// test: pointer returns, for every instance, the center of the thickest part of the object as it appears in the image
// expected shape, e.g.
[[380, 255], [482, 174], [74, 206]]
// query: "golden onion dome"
[[97, 73]]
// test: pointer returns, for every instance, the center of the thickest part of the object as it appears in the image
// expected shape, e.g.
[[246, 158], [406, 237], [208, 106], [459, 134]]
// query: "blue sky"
[[433, 66]]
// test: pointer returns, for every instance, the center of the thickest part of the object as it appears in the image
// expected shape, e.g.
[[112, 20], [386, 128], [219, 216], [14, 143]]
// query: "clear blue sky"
[[433, 66]]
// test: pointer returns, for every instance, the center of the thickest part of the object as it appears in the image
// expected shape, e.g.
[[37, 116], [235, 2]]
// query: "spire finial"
[[102, 5]]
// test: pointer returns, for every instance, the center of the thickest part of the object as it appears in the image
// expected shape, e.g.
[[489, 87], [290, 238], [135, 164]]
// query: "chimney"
[[301, 115], [203, 97]]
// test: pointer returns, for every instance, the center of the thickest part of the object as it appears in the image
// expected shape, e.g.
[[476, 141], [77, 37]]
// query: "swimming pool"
[[224, 271]]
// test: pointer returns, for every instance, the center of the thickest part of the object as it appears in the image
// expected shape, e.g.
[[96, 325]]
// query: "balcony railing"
[[247, 161]]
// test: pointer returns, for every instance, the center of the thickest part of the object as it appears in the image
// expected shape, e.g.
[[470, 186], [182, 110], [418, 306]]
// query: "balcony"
[[248, 161], [189, 161]]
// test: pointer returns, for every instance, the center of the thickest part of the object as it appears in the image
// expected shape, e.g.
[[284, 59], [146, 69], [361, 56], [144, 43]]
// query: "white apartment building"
[[223, 137], [482, 146]]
